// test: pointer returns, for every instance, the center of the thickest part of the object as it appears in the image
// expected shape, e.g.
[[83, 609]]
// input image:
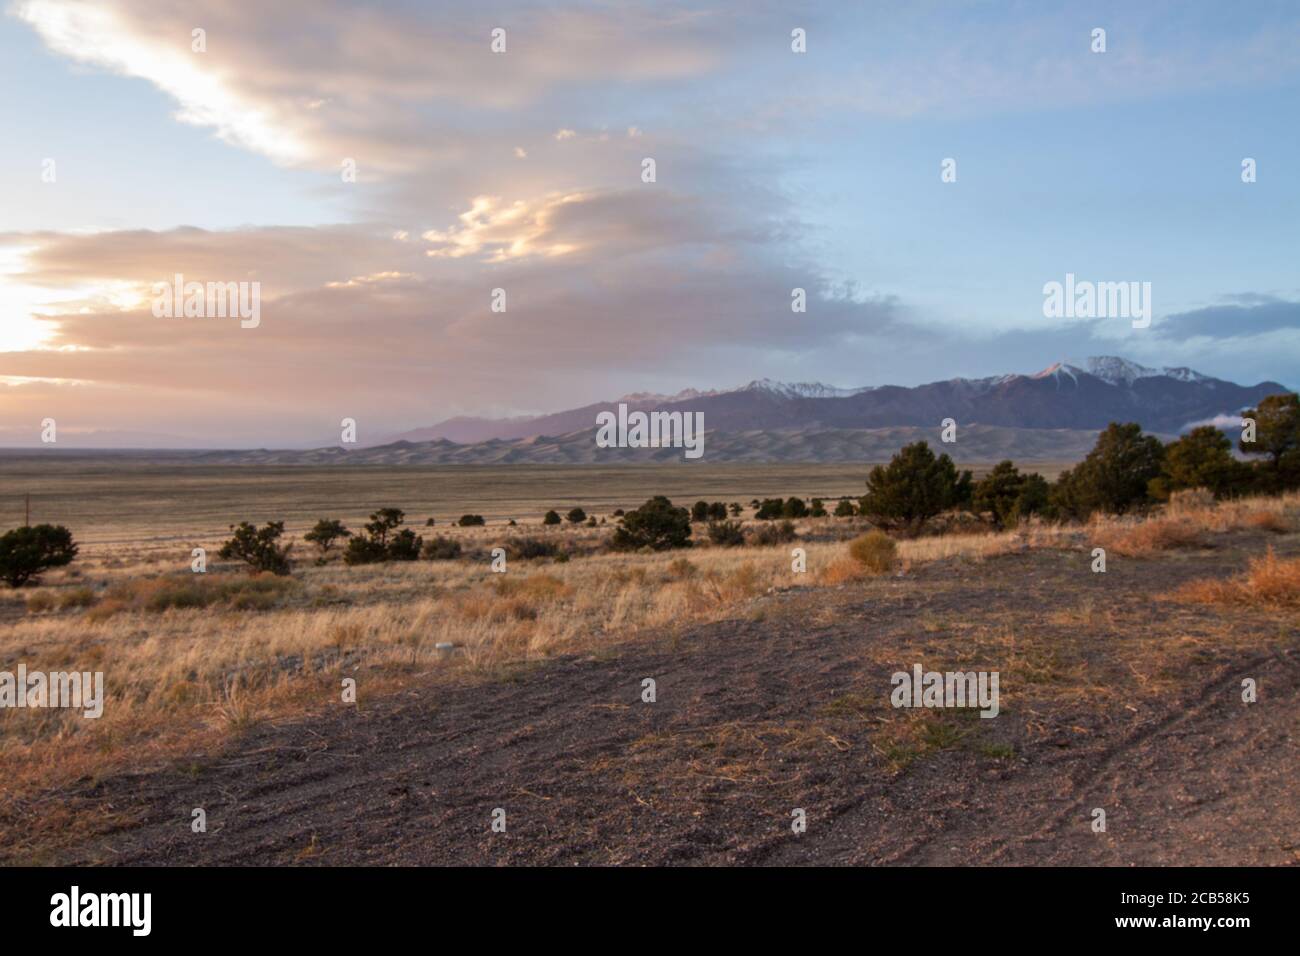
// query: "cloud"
[[307, 82], [521, 171], [358, 321], [1258, 315], [990, 60]]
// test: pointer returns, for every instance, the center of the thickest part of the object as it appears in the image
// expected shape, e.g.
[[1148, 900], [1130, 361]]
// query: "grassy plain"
[[193, 662]]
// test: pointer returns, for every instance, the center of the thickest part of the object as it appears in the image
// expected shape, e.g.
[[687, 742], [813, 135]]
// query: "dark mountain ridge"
[[1089, 396]]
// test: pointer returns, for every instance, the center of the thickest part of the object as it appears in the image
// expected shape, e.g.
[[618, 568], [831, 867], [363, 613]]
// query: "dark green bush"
[[28, 551], [657, 524], [728, 534], [259, 548]]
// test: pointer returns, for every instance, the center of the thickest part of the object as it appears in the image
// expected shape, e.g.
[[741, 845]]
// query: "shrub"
[[656, 524], [576, 516], [382, 522], [769, 509], [325, 533], [700, 511], [365, 550], [441, 549], [259, 548], [818, 510], [471, 521], [551, 517], [405, 545], [845, 509], [383, 541], [735, 509], [1115, 476], [526, 548], [875, 551], [1200, 459], [914, 487], [27, 552], [794, 508], [775, 534], [1277, 430], [1008, 495], [728, 534], [962, 491], [718, 511]]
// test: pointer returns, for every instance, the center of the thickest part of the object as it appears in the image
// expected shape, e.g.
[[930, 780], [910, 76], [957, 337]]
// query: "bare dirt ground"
[[1112, 697]]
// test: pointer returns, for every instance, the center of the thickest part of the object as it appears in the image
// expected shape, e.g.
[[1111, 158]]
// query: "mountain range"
[[1053, 415], [1087, 396]]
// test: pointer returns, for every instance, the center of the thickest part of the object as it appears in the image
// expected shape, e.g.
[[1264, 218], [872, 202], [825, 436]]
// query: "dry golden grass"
[[1189, 520], [1272, 513], [1269, 580], [875, 551], [190, 660], [1267, 521], [1145, 538]]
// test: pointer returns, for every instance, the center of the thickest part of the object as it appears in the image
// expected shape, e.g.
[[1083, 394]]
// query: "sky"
[[131, 155]]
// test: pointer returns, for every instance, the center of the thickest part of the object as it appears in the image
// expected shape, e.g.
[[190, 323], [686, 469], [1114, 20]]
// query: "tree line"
[[1125, 472]]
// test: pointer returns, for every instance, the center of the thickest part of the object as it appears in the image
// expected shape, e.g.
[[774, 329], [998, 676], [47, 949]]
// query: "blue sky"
[[522, 171]]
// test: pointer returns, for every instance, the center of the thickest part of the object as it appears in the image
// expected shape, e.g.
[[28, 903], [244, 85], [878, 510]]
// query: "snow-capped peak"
[[799, 389], [684, 395], [1058, 370], [1119, 371]]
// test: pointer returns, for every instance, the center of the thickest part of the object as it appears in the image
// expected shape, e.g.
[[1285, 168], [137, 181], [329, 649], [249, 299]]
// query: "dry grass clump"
[[681, 569], [1269, 580], [1150, 537], [1267, 521], [974, 547], [77, 597], [841, 571], [538, 587], [744, 582], [1190, 500], [260, 592], [39, 602], [875, 551], [1269, 513]]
